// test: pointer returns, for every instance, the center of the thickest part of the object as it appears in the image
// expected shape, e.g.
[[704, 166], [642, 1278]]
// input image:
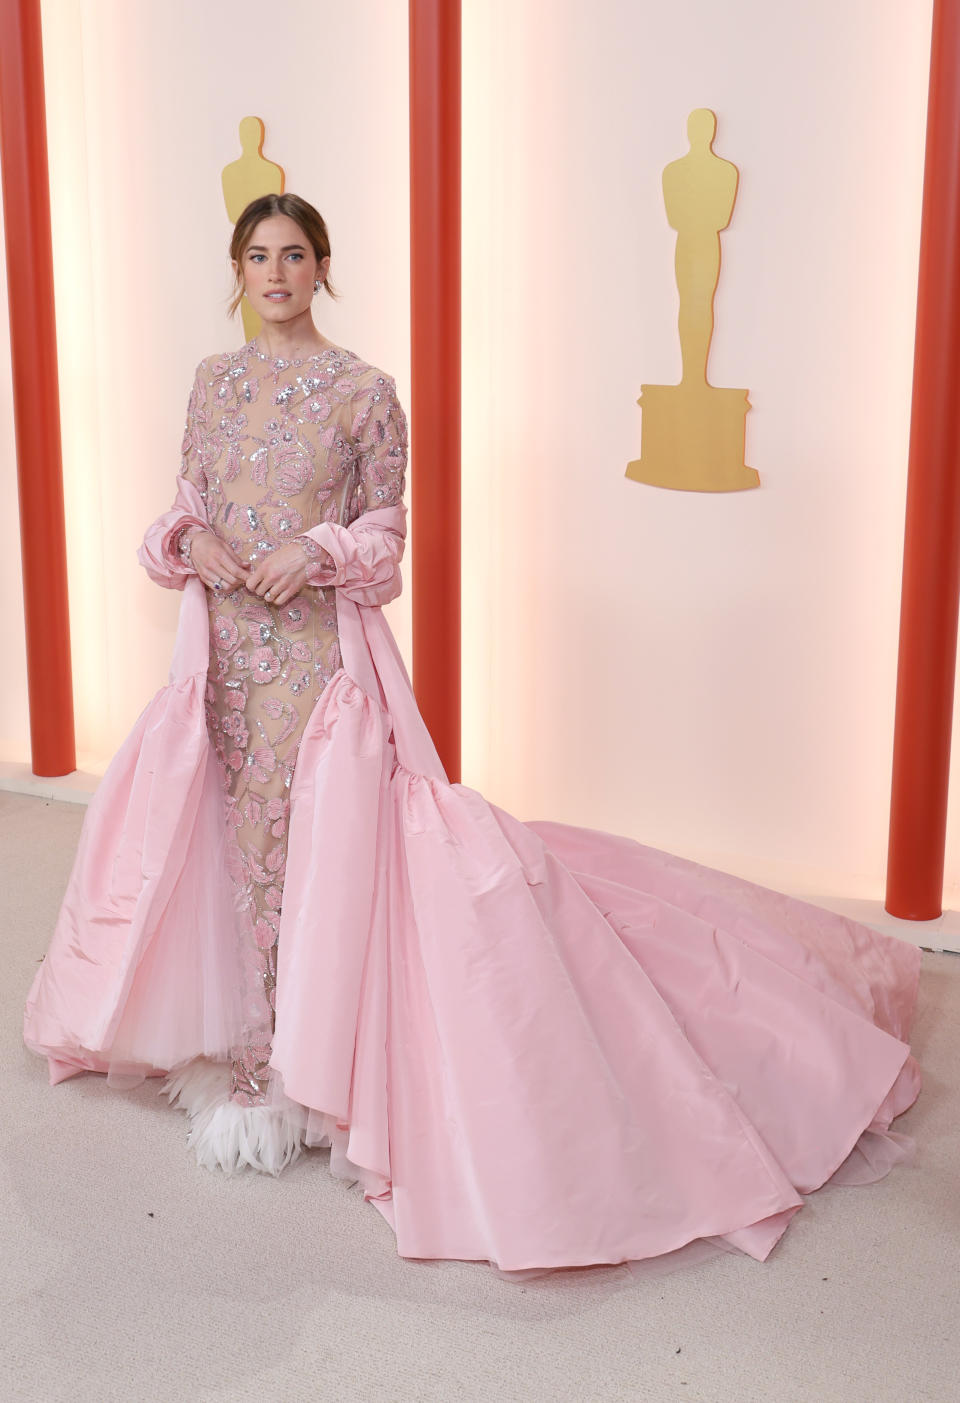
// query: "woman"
[[533, 1044]]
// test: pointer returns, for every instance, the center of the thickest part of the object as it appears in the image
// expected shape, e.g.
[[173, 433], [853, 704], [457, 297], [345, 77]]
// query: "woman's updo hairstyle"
[[300, 211]]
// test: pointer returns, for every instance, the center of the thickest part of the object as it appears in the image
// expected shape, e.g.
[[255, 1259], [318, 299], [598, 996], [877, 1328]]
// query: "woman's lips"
[[277, 296]]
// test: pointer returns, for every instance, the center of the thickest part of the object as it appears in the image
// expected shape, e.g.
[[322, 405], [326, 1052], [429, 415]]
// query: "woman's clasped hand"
[[277, 578], [218, 566]]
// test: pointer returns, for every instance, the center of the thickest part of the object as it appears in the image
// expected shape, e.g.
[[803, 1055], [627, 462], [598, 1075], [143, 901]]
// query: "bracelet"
[[185, 545]]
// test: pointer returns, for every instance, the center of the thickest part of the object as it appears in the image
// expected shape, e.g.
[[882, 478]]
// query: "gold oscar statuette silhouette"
[[692, 434], [245, 179]]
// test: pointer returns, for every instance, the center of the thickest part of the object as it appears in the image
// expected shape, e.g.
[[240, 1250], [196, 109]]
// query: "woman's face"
[[279, 259]]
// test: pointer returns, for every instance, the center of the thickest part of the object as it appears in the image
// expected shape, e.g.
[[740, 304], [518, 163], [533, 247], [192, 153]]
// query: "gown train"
[[532, 1044]]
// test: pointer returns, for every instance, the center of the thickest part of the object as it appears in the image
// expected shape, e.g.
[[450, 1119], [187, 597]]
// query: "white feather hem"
[[225, 1135]]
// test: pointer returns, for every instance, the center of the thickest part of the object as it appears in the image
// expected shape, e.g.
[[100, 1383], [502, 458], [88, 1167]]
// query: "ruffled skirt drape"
[[533, 1044]]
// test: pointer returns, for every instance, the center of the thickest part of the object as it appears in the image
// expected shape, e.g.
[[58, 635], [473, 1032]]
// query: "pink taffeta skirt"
[[532, 1044]]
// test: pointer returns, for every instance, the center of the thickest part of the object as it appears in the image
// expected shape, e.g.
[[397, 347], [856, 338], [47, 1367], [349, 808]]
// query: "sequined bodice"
[[275, 448], [276, 444]]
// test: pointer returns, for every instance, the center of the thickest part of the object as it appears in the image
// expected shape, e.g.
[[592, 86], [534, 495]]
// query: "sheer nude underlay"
[[276, 448]]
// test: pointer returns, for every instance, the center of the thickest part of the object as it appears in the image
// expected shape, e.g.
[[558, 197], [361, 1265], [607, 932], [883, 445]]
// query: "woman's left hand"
[[280, 575]]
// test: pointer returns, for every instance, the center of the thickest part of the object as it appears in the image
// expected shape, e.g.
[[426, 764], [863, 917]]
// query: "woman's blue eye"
[[255, 256]]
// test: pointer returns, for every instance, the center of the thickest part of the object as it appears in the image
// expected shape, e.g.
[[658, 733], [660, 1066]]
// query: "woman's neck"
[[291, 342]]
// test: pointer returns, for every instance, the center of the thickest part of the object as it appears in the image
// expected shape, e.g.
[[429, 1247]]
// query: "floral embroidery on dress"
[[275, 448]]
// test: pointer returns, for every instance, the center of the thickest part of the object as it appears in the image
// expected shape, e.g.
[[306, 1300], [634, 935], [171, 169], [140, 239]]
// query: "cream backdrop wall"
[[143, 104], [14, 716], [713, 675]]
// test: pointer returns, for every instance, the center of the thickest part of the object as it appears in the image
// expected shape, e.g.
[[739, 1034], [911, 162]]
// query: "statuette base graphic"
[[692, 438]]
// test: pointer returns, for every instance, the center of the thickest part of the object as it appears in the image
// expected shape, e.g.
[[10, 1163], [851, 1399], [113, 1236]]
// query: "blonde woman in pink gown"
[[532, 1044]]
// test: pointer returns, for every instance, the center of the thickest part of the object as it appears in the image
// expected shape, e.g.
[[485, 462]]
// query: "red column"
[[435, 402], [36, 403], [931, 559]]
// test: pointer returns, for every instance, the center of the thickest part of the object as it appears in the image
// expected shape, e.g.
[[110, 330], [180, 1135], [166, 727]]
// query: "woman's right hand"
[[215, 563]]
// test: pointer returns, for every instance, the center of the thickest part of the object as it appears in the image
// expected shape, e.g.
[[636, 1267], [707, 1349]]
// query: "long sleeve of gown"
[[363, 559], [160, 552]]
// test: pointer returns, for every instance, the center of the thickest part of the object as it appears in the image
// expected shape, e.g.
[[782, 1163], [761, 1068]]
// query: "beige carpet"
[[129, 1274]]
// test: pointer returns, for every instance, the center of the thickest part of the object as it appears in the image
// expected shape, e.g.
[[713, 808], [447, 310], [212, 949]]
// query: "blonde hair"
[[310, 220]]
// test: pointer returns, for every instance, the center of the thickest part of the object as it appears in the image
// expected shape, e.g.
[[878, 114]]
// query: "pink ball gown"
[[532, 1044]]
